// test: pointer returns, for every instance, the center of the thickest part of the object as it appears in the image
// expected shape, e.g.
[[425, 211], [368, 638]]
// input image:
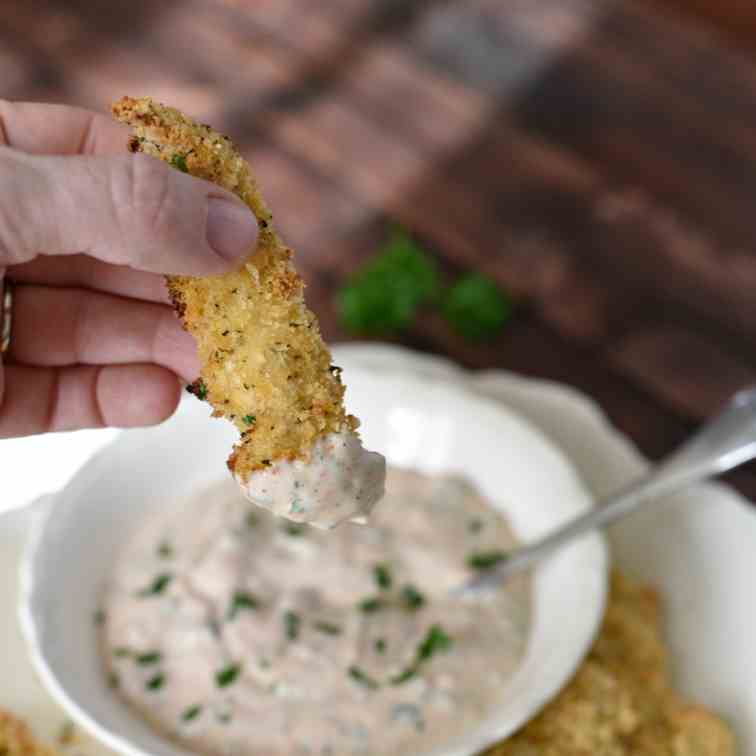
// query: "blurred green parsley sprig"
[[385, 295]]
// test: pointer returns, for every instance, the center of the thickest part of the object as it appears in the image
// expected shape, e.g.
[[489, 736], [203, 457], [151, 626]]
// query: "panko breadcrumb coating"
[[620, 702], [16, 740], [264, 365]]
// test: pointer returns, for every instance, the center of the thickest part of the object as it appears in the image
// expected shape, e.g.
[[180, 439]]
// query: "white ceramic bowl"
[[427, 425]]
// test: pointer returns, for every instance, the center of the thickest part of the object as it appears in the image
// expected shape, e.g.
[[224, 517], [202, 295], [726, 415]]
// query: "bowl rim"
[[125, 745]]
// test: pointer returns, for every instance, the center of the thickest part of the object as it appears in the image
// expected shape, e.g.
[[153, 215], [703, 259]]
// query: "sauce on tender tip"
[[341, 481]]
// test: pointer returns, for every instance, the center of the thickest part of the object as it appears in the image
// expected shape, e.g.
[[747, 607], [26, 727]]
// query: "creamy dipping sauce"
[[235, 632], [341, 481]]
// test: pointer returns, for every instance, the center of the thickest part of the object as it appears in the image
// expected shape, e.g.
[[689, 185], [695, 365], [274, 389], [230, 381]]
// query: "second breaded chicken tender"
[[264, 365]]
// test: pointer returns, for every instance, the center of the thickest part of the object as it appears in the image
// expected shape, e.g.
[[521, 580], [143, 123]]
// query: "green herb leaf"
[[156, 682], [382, 576], [227, 675], [435, 640], [191, 713], [476, 308], [293, 529], [179, 161], [292, 624], [241, 600], [165, 550], [151, 657], [379, 645], [327, 627], [411, 598], [384, 295], [402, 677], [363, 679], [158, 585], [485, 560], [248, 419], [370, 605], [198, 388]]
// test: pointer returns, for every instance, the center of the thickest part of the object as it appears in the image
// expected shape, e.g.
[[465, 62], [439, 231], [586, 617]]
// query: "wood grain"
[[597, 158]]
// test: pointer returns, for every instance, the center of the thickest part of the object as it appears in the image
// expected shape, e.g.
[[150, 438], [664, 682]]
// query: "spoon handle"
[[724, 442]]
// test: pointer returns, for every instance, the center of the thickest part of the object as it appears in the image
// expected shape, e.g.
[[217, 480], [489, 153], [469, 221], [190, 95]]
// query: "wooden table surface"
[[597, 158]]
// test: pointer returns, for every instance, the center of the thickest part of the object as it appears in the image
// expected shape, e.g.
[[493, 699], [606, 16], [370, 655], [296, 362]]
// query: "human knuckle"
[[144, 195], [153, 194], [14, 237]]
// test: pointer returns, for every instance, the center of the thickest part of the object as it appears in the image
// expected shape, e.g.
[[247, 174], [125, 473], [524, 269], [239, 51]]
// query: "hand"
[[86, 229]]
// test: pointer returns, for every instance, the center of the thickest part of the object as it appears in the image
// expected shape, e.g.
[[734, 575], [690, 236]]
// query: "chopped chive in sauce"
[[435, 640], [293, 529], [252, 520], [411, 598], [249, 419], [99, 617], [361, 678], [152, 657], [382, 576], [485, 560], [227, 675], [155, 682], [191, 713], [370, 605], [475, 525], [240, 601], [179, 161], [157, 586], [327, 627], [113, 680], [402, 677], [165, 550], [379, 645], [224, 718], [292, 623], [121, 651]]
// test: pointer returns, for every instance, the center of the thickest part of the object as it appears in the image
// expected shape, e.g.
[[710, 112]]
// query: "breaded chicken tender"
[[264, 365], [621, 702], [16, 740]]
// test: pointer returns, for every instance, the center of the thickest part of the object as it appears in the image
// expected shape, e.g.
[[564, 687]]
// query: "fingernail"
[[231, 228]]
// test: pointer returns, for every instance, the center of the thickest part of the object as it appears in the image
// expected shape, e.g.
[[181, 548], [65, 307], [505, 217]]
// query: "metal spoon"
[[724, 442]]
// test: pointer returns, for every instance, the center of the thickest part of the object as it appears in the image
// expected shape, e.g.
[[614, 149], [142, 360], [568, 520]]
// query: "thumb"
[[127, 209]]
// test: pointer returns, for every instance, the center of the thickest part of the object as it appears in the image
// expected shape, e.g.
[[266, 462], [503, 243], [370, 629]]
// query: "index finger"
[[44, 129]]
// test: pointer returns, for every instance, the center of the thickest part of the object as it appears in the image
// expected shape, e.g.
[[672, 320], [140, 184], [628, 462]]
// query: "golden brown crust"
[[620, 702], [16, 740], [264, 365]]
